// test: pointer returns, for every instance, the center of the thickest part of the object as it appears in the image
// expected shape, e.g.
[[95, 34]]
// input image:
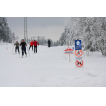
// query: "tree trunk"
[[105, 53], [102, 51], [88, 52]]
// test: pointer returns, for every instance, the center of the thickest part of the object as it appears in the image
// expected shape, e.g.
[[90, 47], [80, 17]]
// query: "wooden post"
[[69, 58]]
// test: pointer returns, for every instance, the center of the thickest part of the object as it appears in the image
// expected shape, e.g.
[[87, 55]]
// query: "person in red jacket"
[[31, 45], [35, 45]]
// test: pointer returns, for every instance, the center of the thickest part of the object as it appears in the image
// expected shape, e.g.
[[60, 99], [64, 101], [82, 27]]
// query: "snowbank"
[[49, 67]]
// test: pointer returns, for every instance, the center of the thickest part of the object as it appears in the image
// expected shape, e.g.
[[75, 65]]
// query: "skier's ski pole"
[[19, 52], [13, 49], [28, 51]]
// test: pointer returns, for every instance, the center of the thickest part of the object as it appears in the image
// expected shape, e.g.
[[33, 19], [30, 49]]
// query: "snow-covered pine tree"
[[5, 33], [91, 30]]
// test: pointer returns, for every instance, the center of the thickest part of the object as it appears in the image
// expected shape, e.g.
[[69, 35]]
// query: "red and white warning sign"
[[68, 51], [78, 53], [79, 63]]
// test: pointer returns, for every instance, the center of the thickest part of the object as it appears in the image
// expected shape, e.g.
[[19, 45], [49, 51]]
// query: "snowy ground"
[[50, 68]]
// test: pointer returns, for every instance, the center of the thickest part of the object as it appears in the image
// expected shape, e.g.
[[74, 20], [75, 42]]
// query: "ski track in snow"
[[49, 68]]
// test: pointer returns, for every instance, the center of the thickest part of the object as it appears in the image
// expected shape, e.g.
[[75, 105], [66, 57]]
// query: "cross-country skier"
[[49, 43], [16, 47], [31, 45], [35, 45], [23, 45]]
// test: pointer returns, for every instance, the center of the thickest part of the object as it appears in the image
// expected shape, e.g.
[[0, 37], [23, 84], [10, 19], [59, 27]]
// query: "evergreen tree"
[[91, 30], [6, 34]]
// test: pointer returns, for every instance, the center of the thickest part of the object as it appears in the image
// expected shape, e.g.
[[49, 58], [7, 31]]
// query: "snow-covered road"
[[50, 68]]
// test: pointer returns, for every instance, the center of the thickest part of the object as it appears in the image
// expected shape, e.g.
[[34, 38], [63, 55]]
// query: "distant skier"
[[49, 43], [35, 45], [17, 47], [23, 45], [31, 45]]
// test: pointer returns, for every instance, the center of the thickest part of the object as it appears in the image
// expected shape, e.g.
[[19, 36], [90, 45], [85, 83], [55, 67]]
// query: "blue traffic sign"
[[78, 45]]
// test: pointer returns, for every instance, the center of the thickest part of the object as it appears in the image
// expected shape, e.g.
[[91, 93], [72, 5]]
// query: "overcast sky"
[[50, 27]]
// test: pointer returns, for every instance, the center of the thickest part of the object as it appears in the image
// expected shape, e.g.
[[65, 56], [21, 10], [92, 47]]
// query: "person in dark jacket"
[[17, 47], [49, 43], [35, 45], [23, 45]]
